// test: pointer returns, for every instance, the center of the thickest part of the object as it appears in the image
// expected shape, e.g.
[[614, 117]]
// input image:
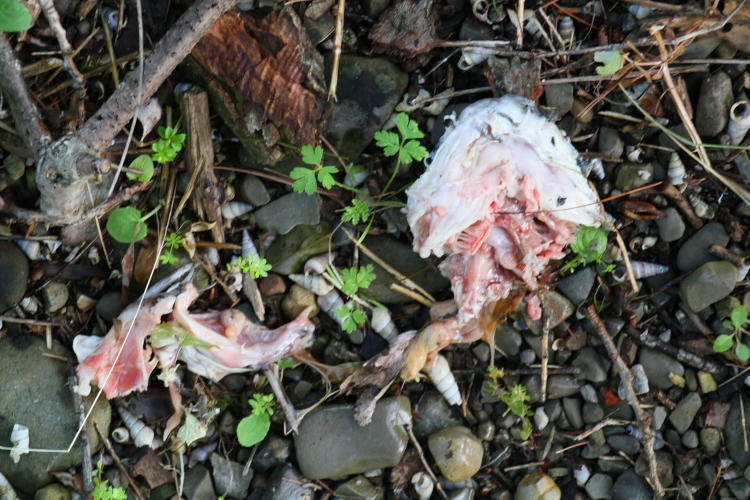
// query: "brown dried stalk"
[[644, 419]]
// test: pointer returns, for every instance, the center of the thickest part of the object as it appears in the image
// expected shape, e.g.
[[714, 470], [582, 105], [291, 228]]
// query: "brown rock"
[[273, 284]]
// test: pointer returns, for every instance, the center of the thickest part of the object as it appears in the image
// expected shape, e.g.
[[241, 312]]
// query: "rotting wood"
[[199, 158]]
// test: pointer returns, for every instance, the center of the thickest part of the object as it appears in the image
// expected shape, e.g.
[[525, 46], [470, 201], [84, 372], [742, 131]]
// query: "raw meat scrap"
[[239, 345], [121, 351], [502, 197]]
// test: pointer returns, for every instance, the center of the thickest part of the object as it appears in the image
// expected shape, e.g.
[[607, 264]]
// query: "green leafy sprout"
[[171, 244], [611, 61], [735, 323], [102, 491], [407, 146], [305, 178], [253, 428], [256, 267], [351, 281], [168, 146], [515, 398], [589, 246], [14, 16]]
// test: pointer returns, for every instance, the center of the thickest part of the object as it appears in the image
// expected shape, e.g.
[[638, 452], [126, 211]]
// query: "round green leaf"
[[252, 429], [121, 224], [14, 16], [145, 164], [723, 343], [739, 316], [743, 352]]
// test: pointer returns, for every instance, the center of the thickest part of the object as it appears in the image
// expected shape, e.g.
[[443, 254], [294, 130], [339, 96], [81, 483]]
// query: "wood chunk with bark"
[[263, 74], [407, 28]]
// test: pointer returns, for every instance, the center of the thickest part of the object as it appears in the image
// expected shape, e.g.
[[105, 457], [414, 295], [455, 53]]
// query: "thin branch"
[[168, 53], [644, 419], [25, 114]]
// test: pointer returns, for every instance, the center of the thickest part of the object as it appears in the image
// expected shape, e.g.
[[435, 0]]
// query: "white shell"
[[30, 248], [739, 122], [648, 242], [640, 270], [93, 255], [120, 435], [142, 434], [313, 282], [408, 105], [233, 209], [423, 485], [248, 247], [212, 254], [382, 323], [29, 304], [540, 418], [676, 170], [470, 58], [318, 263], [566, 29], [441, 375], [330, 303], [19, 438], [702, 209], [480, 8]]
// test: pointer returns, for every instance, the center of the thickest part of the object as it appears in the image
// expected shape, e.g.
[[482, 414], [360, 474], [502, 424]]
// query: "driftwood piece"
[[264, 75], [199, 158]]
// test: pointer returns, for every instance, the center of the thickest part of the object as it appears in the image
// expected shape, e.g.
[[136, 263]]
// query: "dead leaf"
[[149, 115], [382, 368], [150, 469], [407, 28], [401, 474]]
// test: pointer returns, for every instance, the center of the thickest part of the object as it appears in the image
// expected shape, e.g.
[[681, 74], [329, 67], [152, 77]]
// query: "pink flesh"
[[502, 244], [239, 344], [133, 367]]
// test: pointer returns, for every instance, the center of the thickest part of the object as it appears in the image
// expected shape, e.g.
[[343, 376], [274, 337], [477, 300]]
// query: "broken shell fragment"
[[233, 209], [470, 58], [702, 209], [423, 485], [19, 438], [318, 263], [676, 170], [739, 122], [120, 435]]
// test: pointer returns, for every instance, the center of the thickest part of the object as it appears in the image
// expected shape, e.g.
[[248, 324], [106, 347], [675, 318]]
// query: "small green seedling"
[[171, 244], [353, 279], [407, 147], [101, 489], [611, 61], [256, 267], [14, 16], [253, 429], [305, 178], [589, 246], [126, 225], [356, 212], [144, 164], [515, 399], [351, 316], [168, 146], [736, 322]]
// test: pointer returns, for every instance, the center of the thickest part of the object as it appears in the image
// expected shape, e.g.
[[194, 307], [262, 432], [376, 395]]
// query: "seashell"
[[648, 242], [142, 434], [120, 435], [29, 304], [594, 166], [480, 8], [581, 475], [212, 254], [437, 106], [330, 303], [634, 154], [229, 193], [739, 122], [635, 244], [93, 255], [85, 303], [19, 438], [423, 485], [407, 105], [313, 282], [111, 16], [30, 248], [233, 209], [676, 170], [640, 270], [440, 374], [702, 209], [566, 29], [248, 247], [382, 323], [470, 58], [540, 418], [318, 263]]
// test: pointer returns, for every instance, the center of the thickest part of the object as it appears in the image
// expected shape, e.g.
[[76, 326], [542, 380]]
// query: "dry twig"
[[644, 419]]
